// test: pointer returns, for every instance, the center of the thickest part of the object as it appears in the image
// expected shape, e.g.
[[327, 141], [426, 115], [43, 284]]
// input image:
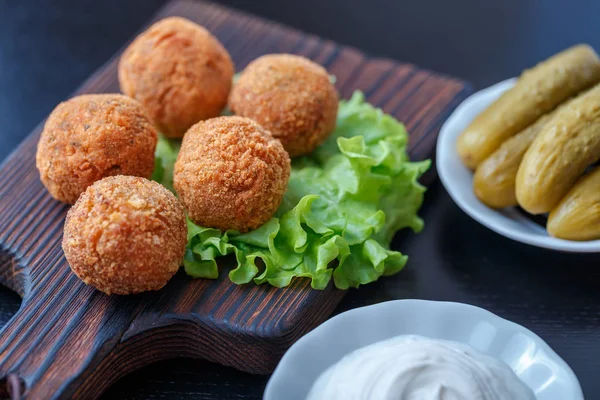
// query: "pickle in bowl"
[[537, 91], [577, 215], [494, 179], [560, 153]]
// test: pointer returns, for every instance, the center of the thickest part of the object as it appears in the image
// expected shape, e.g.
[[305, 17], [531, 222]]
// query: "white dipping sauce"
[[417, 368]]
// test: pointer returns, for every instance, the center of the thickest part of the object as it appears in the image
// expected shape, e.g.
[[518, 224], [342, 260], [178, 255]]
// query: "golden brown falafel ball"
[[290, 96], [231, 174], [90, 137], [125, 235], [179, 72]]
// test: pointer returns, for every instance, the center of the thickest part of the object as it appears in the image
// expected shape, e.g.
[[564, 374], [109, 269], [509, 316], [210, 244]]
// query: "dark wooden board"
[[70, 341]]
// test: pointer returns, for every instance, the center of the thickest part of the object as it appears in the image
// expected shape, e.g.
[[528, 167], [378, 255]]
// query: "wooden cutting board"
[[69, 341]]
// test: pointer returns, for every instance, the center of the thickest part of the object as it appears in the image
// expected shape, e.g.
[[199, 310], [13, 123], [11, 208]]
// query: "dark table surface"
[[48, 48]]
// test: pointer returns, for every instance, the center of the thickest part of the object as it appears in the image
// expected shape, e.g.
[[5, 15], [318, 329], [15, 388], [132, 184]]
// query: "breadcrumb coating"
[[179, 72], [90, 137], [125, 235], [231, 174], [290, 96]]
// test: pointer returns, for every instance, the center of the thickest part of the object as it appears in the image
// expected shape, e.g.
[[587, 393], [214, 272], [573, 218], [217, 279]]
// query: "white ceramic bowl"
[[458, 181], [527, 354]]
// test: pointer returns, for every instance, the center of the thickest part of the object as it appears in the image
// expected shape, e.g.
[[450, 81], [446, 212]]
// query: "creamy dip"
[[417, 368]]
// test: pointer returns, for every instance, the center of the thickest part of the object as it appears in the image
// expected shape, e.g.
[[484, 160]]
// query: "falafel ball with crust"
[[231, 174], [290, 96], [125, 235], [90, 137], [179, 72]]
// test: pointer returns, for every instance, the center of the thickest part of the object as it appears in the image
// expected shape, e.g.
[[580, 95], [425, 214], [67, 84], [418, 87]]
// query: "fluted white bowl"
[[532, 360]]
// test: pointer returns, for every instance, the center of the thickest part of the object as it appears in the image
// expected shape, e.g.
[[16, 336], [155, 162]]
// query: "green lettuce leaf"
[[164, 161], [343, 206]]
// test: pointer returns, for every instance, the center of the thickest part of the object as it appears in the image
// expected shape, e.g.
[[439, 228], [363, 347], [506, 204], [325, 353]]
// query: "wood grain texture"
[[70, 341]]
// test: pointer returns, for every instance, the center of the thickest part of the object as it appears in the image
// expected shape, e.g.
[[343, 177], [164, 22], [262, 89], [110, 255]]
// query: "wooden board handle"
[[69, 341], [52, 342], [66, 339]]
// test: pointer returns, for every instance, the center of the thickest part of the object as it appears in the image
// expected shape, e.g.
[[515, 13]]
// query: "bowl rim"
[[446, 151], [482, 313]]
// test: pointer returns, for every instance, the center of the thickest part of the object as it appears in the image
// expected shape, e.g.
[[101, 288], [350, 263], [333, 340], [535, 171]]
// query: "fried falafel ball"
[[231, 174], [125, 235], [290, 96], [90, 137], [179, 72]]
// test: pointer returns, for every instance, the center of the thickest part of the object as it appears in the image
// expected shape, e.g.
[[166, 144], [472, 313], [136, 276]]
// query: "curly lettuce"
[[343, 205], [164, 161]]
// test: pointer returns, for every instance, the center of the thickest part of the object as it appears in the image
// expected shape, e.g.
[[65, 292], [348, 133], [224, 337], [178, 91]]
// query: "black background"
[[47, 48]]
